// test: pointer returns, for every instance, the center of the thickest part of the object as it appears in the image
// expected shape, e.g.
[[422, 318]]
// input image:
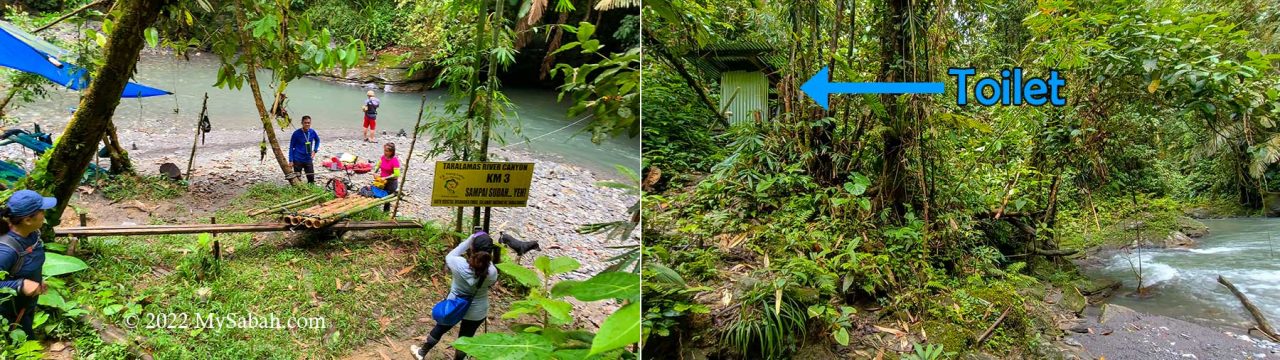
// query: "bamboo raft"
[[331, 211]]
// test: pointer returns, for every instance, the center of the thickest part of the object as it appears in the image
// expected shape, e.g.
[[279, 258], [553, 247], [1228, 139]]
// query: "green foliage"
[[609, 89], [677, 134], [667, 302], [926, 352], [132, 187], [547, 338], [507, 346], [376, 23], [57, 264], [291, 46], [199, 264], [930, 210], [759, 329]]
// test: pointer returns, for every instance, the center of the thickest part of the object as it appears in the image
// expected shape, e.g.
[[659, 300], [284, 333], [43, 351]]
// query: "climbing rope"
[[174, 76], [553, 132]]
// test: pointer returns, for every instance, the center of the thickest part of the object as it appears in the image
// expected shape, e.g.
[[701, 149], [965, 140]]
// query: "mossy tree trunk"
[[120, 163], [58, 173], [251, 70], [896, 48]]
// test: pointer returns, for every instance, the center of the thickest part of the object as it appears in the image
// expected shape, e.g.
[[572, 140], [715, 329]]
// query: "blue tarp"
[[22, 51]]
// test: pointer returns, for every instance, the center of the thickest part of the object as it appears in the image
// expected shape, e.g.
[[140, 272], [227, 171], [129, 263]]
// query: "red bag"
[[361, 168]]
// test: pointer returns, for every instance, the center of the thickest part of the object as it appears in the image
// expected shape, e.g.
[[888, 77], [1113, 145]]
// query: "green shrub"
[[376, 22]]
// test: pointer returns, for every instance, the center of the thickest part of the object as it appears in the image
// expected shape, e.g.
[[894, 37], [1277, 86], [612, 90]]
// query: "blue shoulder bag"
[[450, 311]]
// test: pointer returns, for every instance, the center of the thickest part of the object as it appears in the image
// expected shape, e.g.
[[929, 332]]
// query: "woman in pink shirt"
[[388, 167]]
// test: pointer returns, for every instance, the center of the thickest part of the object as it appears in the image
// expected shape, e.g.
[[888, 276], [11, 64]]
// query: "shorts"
[[370, 123]]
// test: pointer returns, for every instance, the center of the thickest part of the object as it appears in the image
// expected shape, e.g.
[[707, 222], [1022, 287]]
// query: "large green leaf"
[[564, 288], [556, 266], [500, 346], [152, 36], [620, 329], [608, 285], [563, 265], [57, 264], [558, 309], [525, 276], [52, 299], [664, 274]]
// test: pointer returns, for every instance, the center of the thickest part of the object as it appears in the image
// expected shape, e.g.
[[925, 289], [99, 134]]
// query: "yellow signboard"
[[486, 184]]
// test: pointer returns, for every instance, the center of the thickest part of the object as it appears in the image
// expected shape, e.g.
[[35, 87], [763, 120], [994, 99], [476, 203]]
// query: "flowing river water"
[[335, 109], [1245, 251]]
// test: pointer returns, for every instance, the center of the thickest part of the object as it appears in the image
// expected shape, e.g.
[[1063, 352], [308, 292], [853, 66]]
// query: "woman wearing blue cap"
[[22, 254]]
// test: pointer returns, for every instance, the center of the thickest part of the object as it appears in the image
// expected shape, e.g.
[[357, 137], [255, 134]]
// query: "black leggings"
[[469, 328], [391, 187], [309, 167]]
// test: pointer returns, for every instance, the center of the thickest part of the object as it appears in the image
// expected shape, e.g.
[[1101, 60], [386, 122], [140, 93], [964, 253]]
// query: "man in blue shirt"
[[302, 149]]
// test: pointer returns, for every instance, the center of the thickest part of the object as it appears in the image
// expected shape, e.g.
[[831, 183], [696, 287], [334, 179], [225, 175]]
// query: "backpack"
[[9, 241]]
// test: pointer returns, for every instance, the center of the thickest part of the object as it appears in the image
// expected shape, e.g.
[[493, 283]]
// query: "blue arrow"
[[819, 88]]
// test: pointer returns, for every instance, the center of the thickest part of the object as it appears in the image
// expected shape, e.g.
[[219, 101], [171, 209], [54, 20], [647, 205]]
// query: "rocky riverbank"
[[1116, 332]]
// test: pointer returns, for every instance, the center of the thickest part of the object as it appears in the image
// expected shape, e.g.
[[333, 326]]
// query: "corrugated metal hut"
[[747, 70]]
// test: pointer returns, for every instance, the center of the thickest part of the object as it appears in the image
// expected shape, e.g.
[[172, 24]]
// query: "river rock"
[[1177, 239], [1192, 227], [1199, 213], [1132, 224], [1271, 204]]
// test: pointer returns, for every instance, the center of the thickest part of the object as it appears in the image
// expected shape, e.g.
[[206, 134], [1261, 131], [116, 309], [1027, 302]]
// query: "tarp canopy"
[[22, 51]]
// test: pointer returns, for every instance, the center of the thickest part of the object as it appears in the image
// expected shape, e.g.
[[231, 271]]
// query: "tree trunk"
[[70, 156], [8, 97], [120, 163], [72, 13], [252, 71], [896, 46], [657, 46]]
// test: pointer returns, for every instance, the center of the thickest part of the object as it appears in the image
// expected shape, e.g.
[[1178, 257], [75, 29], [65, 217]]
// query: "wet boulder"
[[1271, 204], [1192, 227], [1177, 239]]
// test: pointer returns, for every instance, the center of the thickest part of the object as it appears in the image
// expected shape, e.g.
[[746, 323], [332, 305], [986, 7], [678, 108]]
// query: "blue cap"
[[27, 202]]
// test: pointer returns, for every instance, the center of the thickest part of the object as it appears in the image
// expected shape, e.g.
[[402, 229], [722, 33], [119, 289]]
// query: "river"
[[1245, 251], [335, 108]]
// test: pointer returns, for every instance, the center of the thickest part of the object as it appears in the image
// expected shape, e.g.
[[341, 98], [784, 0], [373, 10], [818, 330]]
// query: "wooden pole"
[[404, 175], [75, 241], [191, 160], [287, 205], [217, 247], [1263, 325], [992, 329], [221, 228]]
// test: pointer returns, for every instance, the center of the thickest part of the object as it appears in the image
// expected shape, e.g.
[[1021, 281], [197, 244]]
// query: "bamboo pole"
[[404, 178], [221, 228], [324, 207], [350, 201], [366, 206], [287, 205], [203, 109]]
